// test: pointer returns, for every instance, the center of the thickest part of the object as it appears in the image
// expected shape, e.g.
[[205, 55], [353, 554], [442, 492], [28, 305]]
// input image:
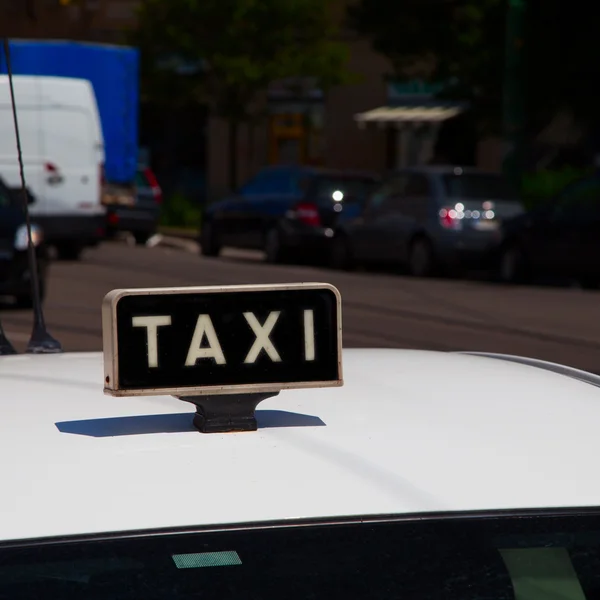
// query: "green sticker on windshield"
[[542, 573], [206, 559]]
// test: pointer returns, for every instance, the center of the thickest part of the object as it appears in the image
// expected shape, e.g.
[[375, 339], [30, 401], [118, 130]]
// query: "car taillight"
[[53, 175], [308, 214], [156, 190], [450, 218]]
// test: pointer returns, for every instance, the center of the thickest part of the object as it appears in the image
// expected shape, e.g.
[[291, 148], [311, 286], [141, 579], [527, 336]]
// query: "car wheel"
[[209, 243], [274, 250], [421, 259], [513, 265], [142, 238], [340, 256], [69, 251]]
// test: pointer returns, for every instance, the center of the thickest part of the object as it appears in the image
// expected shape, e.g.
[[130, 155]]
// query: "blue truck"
[[114, 74]]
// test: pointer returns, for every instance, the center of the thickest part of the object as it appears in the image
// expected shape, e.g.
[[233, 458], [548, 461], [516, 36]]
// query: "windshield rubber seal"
[[547, 512]]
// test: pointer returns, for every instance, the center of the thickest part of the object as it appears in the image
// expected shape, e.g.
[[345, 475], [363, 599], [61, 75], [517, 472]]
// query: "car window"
[[461, 558], [141, 180], [393, 187], [350, 190], [417, 186], [478, 186], [6, 198]]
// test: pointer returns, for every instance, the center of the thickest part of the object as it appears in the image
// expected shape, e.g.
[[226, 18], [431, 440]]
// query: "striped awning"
[[400, 115]]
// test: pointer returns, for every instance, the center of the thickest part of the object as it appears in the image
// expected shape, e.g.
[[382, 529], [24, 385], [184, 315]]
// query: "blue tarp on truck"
[[113, 72]]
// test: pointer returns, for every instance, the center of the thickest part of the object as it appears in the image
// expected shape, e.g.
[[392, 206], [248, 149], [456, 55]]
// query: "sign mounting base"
[[221, 413]]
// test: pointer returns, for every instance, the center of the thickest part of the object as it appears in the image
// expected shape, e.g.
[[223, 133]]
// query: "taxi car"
[[326, 473]]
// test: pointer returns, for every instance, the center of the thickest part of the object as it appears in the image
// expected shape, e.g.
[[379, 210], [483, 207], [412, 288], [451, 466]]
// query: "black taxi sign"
[[218, 340]]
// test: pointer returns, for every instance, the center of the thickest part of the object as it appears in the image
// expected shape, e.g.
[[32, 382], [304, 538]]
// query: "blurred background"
[[436, 159]]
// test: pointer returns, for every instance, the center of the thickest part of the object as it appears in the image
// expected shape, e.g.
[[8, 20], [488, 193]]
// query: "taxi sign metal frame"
[[110, 343]]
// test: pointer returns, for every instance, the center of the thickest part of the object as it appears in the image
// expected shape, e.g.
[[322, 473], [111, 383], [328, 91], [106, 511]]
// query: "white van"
[[63, 156]]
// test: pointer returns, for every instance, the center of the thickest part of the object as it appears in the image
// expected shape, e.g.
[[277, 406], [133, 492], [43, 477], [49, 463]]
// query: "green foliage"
[[180, 211], [459, 42], [544, 185], [236, 48], [241, 47]]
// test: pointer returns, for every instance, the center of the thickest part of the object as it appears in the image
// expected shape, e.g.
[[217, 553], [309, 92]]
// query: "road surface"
[[379, 310]]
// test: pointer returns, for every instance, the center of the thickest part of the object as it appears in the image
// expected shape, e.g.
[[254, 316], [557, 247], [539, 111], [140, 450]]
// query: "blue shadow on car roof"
[[174, 423]]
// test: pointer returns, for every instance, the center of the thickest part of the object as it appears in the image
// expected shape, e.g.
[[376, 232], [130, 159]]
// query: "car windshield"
[[6, 200], [9, 198], [484, 186], [342, 189], [462, 558]]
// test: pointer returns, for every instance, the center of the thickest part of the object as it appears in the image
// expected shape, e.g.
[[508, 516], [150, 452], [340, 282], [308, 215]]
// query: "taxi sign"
[[221, 340]]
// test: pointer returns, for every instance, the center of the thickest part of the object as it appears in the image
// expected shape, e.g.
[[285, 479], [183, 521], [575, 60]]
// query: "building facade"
[[319, 129]]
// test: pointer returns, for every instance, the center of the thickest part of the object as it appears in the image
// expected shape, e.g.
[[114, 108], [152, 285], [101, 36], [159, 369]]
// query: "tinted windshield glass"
[[502, 558], [9, 197], [6, 198], [335, 189], [478, 187]]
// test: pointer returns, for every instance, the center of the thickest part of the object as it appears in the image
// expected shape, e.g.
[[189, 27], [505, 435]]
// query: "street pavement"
[[379, 309]]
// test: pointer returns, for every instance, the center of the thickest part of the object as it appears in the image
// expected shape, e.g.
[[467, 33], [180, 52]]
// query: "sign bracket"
[[221, 413]]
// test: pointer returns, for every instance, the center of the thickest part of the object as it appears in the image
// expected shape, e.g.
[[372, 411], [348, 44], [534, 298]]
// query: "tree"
[[458, 42], [235, 49], [463, 42]]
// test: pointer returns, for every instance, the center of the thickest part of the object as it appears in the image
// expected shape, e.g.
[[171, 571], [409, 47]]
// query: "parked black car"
[[14, 265], [289, 212], [559, 238], [429, 218], [136, 209]]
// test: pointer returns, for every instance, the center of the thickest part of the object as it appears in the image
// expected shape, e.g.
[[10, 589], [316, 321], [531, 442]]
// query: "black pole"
[[514, 99]]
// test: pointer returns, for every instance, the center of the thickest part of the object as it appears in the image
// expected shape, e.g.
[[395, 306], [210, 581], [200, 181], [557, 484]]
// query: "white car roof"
[[409, 432]]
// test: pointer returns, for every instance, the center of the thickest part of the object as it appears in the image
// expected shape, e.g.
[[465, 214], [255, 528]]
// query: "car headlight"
[[21, 239]]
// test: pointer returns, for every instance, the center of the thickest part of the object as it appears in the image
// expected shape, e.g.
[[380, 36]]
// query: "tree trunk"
[[233, 158]]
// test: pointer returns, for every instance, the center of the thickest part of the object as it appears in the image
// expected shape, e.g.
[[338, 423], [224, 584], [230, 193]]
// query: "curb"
[[168, 241], [182, 234], [163, 241]]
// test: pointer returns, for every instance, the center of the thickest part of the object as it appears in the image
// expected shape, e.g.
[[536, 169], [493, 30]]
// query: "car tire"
[[142, 238], [69, 251], [421, 258], [209, 243], [340, 255], [273, 248], [512, 265]]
